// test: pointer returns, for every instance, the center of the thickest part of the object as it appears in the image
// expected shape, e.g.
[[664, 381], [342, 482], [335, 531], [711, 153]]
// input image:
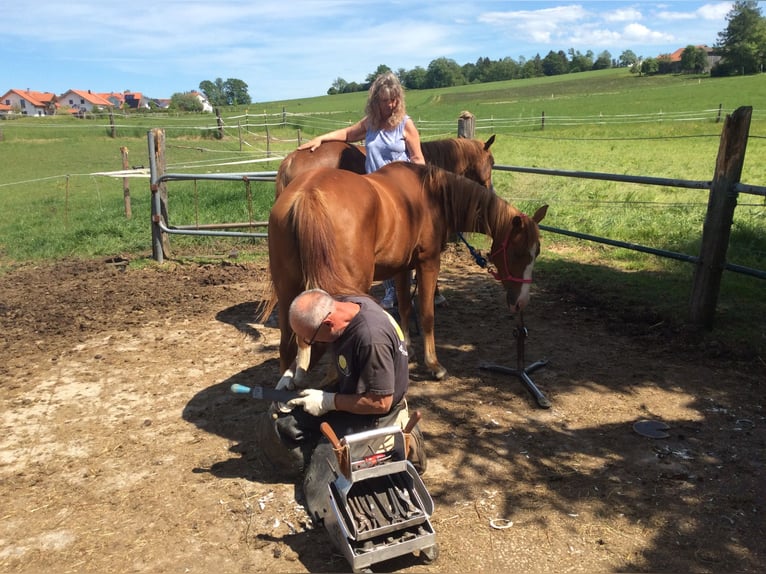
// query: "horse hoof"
[[441, 374]]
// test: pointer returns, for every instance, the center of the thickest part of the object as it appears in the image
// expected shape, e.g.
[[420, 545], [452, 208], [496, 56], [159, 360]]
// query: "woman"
[[389, 135]]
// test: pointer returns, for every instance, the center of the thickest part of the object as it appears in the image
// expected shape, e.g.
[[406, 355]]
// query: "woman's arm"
[[412, 141], [349, 134]]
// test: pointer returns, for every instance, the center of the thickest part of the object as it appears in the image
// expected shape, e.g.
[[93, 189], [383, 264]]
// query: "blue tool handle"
[[240, 389]]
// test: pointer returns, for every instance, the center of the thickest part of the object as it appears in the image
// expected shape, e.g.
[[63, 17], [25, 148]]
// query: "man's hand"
[[314, 402], [286, 382]]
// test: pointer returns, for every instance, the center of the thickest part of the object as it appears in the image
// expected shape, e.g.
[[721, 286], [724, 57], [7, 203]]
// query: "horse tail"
[[267, 308], [311, 221]]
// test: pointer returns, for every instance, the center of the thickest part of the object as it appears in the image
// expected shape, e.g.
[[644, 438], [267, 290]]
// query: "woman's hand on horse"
[[311, 145]]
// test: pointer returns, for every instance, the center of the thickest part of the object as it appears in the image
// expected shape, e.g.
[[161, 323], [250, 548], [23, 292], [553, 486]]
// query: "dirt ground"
[[122, 449]]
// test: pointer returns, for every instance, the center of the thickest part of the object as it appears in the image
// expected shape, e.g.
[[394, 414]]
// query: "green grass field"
[[55, 205]]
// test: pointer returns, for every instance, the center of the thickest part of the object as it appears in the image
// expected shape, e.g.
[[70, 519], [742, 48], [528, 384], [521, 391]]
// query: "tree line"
[[741, 47]]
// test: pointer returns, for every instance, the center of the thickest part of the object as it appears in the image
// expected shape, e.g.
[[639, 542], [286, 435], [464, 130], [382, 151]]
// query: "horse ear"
[[489, 142], [540, 213]]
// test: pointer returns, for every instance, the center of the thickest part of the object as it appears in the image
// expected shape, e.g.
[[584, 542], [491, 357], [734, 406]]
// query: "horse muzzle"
[[517, 301]]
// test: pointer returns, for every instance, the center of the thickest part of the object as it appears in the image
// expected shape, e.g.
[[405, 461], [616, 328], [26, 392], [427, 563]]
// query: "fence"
[[709, 264]]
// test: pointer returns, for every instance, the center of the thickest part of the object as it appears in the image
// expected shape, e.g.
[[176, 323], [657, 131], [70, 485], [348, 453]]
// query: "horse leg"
[[297, 360], [426, 289], [404, 298]]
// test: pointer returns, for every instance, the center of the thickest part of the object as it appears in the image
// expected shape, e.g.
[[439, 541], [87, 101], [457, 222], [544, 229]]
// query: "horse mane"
[[309, 216], [452, 154], [467, 205]]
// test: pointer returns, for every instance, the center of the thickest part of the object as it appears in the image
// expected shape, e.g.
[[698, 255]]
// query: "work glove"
[[314, 402], [286, 382]]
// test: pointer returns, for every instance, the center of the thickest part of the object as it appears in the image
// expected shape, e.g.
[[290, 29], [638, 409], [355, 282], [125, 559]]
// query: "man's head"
[[310, 316]]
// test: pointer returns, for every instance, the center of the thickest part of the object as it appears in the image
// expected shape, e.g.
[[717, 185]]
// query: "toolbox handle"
[[414, 419], [330, 434], [364, 436]]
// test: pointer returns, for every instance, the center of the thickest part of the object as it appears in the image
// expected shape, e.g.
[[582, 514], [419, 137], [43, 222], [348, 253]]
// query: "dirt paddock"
[[124, 451]]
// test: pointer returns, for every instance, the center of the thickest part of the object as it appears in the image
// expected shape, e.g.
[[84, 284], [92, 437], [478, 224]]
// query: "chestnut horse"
[[341, 231], [467, 157]]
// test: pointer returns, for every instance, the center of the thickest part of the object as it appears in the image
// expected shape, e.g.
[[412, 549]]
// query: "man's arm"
[[366, 404]]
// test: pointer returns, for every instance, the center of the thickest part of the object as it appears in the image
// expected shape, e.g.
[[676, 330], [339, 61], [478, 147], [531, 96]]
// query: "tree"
[[533, 68], [338, 86], [505, 69], [555, 63], [650, 66], [382, 69], [693, 59], [229, 93], [236, 92], [742, 45], [214, 92], [603, 61], [185, 102], [415, 79], [443, 73], [628, 58], [577, 62]]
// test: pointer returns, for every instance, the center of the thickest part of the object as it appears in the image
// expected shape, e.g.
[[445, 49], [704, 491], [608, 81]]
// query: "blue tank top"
[[385, 146]]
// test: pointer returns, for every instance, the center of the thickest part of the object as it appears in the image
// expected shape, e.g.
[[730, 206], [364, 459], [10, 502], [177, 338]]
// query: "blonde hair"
[[387, 85]]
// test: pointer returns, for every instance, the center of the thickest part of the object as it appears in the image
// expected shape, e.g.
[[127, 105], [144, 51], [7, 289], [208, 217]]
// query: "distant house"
[[206, 107], [135, 101], [5, 110], [80, 101], [30, 103], [675, 59], [117, 99]]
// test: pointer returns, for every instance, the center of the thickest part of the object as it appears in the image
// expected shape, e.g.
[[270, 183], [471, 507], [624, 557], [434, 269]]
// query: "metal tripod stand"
[[520, 334]]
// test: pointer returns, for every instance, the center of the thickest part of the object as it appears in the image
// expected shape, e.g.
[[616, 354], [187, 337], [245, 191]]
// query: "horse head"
[[514, 251], [480, 170]]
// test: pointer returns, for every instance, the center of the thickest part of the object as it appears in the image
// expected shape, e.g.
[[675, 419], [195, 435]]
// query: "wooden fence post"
[[113, 129], [718, 219], [161, 190], [125, 184], [466, 125], [219, 121]]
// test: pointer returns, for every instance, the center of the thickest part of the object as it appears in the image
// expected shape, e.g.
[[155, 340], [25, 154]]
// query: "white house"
[[82, 101], [30, 103], [206, 107]]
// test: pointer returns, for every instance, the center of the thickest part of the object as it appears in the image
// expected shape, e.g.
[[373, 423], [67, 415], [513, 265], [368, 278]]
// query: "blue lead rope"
[[480, 261]]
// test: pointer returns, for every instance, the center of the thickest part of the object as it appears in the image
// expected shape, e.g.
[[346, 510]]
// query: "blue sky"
[[297, 48]]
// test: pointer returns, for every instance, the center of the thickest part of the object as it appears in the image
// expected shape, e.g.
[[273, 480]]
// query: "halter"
[[503, 248], [484, 264]]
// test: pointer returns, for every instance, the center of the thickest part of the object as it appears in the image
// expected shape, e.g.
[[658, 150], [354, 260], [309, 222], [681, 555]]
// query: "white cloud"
[[538, 25], [638, 33], [715, 12], [623, 15]]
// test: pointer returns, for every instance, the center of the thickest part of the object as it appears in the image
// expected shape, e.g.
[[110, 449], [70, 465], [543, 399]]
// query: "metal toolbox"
[[378, 506]]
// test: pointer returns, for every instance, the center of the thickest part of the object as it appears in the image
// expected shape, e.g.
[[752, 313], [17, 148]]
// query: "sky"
[[298, 48]]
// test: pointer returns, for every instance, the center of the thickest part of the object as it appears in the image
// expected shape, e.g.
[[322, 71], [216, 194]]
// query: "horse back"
[[335, 154], [320, 231]]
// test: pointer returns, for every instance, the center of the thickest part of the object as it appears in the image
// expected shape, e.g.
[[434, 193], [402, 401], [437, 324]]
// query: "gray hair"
[[311, 307]]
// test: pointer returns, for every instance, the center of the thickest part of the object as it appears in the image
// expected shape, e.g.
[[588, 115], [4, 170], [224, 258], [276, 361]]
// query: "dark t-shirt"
[[371, 354]]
